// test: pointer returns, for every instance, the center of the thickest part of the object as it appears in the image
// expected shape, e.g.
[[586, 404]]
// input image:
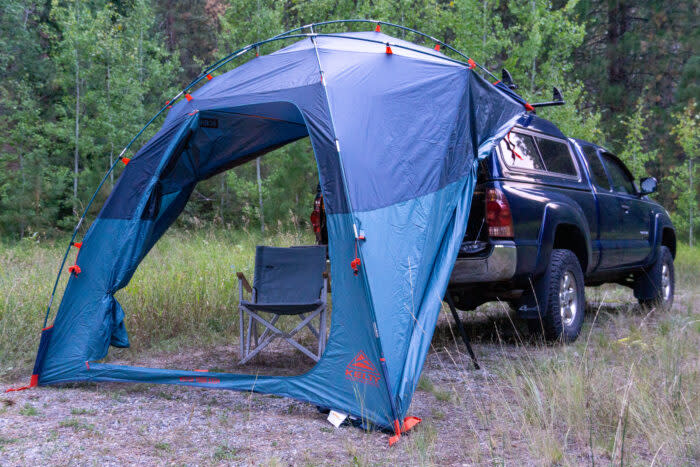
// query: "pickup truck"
[[551, 215]]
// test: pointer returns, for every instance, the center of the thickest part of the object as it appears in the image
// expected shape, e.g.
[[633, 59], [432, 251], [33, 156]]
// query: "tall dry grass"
[[627, 392], [183, 293]]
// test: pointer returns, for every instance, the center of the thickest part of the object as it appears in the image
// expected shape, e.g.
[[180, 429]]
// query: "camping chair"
[[287, 281]]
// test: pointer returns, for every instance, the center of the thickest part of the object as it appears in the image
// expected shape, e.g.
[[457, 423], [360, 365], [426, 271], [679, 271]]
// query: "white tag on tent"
[[336, 418]]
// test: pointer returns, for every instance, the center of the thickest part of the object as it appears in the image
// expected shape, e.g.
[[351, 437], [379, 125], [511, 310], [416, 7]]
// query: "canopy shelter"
[[396, 129]]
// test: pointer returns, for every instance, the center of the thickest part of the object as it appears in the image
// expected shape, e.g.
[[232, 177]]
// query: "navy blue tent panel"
[[396, 138]]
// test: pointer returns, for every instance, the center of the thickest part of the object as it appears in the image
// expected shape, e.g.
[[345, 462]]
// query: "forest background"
[[78, 79]]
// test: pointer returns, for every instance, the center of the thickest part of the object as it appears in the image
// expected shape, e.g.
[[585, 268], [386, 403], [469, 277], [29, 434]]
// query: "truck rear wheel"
[[654, 287], [565, 303]]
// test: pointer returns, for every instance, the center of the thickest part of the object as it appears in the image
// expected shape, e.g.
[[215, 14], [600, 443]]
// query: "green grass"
[[183, 293], [28, 410], [628, 391], [76, 424], [223, 453]]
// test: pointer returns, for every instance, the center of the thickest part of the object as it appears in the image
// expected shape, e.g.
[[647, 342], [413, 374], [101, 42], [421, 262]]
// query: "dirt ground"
[[116, 424]]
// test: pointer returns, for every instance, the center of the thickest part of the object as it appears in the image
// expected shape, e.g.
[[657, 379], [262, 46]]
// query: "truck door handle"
[[625, 207]]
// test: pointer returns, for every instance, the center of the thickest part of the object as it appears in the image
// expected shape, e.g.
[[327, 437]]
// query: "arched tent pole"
[[393, 25], [290, 34], [169, 103]]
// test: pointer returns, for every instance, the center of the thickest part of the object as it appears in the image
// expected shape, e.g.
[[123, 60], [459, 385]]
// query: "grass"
[[184, 293], [224, 453], [76, 424], [28, 410], [627, 392]]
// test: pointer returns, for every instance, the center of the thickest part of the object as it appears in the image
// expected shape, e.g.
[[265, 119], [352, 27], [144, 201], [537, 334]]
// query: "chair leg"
[[247, 336], [322, 332], [255, 333], [241, 331], [266, 331], [278, 333]]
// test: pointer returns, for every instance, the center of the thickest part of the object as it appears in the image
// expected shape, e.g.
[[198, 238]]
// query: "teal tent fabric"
[[396, 139]]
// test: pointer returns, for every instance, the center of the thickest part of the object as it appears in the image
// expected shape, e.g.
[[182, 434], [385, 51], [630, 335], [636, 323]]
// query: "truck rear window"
[[519, 152]]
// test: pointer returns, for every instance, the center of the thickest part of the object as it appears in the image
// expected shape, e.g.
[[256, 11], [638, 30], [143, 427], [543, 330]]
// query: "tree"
[[245, 22], [687, 133], [32, 186], [111, 74], [635, 152]]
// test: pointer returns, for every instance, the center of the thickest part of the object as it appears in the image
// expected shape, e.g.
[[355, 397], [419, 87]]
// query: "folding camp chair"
[[287, 281]]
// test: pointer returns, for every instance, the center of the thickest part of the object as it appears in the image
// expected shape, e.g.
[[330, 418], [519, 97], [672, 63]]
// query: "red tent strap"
[[210, 77], [378, 28], [471, 63], [408, 423], [188, 96], [437, 47], [33, 381], [529, 107], [511, 146], [388, 49], [125, 160], [75, 269], [496, 82], [167, 103], [77, 244]]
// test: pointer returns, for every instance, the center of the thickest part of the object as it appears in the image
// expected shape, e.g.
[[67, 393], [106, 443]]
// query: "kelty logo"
[[199, 379], [362, 370]]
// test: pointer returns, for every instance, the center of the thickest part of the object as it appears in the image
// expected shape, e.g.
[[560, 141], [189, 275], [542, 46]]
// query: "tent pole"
[[460, 326]]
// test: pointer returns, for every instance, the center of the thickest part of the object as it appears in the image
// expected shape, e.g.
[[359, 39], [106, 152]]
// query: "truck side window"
[[556, 156], [600, 178], [519, 152], [621, 181]]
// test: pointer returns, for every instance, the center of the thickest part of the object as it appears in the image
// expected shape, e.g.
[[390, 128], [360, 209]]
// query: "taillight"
[[316, 221], [498, 215], [316, 215]]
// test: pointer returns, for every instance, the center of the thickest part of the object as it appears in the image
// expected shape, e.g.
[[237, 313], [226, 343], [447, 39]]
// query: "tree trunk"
[[260, 195], [111, 133], [618, 22], [76, 154], [692, 204]]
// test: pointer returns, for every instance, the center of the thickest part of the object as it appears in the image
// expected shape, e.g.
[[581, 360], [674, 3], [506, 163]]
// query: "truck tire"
[[565, 304], [654, 286]]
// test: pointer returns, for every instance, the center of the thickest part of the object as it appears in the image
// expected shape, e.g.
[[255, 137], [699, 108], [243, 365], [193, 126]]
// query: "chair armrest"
[[242, 280]]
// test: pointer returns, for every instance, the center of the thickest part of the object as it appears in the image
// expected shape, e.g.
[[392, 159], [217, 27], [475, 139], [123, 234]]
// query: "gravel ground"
[[116, 424]]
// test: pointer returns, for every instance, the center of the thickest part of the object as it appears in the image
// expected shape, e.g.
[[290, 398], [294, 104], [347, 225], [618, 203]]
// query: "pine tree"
[[636, 153], [684, 177], [112, 73]]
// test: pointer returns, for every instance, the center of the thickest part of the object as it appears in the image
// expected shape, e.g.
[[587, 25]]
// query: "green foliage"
[[684, 178], [79, 78], [635, 153]]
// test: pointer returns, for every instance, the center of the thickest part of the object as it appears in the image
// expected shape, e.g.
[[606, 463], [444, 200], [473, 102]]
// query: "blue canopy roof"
[[395, 136]]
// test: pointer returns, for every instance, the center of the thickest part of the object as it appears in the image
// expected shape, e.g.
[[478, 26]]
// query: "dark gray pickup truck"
[[553, 214]]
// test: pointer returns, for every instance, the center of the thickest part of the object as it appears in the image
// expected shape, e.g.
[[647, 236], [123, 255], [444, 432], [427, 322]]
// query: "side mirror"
[[647, 185]]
